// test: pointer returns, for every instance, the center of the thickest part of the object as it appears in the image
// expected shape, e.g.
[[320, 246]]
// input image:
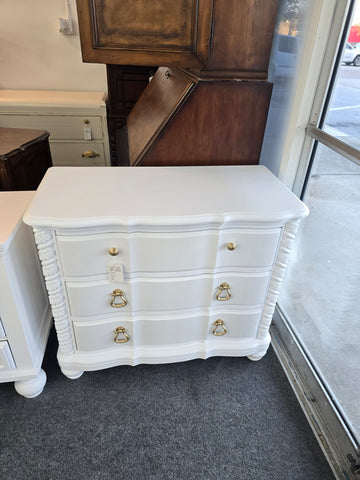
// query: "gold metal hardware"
[[113, 251], [86, 121], [231, 246], [221, 288], [121, 331], [219, 324], [90, 154], [118, 293]]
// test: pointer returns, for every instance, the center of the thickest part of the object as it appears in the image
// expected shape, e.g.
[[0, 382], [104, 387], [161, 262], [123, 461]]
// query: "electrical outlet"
[[65, 25]]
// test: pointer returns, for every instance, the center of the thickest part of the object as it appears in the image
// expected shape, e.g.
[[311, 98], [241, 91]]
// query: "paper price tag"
[[115, 273]]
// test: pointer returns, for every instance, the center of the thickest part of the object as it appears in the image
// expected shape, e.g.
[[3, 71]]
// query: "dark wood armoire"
[[208, 98]]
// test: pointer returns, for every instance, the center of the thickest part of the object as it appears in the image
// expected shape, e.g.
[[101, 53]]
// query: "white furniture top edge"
[[23, 100], [12, 206], [71, 197]]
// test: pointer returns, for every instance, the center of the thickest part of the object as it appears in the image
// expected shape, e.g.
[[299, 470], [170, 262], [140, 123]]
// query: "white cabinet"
[[76, 122], [152, 265], [25, 315]]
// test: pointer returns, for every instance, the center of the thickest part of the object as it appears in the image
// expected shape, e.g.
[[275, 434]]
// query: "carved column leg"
[[48, 259], [277, 278]]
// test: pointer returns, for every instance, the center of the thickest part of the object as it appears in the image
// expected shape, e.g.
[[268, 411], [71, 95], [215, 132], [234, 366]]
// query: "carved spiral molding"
[[287, 240], [50, 268]]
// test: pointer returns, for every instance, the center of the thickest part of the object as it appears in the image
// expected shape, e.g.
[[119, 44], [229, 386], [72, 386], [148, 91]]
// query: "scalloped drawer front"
[[167, 294], [168, 252], [160, 330], [158, 252]]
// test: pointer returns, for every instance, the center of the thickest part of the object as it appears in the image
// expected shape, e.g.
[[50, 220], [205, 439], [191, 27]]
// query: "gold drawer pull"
[[121, 331], [90, 154], [113, 251], [221, 288], [219, 324], [118, 293], [231, 246]]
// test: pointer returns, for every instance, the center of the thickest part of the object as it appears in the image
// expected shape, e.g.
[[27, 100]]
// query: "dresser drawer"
[[179, 329], [161, 252], [6, 358], [89, 255], [61, 127], [70, 154], [166, 294]]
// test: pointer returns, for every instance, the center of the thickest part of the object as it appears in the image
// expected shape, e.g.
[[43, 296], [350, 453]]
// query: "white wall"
[[34, 55]]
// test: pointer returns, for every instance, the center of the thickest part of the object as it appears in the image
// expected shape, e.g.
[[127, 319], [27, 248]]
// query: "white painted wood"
[[159, 294], [162, 331], [167, 196], [171, 227], [2, 331], [24, 307], [69, 154], [62, 127], [63, 114], [6, 358], [179, 252]]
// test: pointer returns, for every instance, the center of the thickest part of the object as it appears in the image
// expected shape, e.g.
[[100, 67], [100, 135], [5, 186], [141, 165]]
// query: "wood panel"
[[220, 123], [156, 32], [158, 103], [242, 35]]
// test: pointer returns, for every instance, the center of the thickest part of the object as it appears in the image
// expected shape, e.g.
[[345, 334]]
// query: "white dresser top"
[[12, 206], [164, 196], [22, 101]]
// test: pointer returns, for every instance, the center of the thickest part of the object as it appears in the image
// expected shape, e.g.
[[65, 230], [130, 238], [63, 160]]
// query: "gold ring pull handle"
[[118, 293], [231, 246], [219, 328], [90, 154], [120, 335], [223, 286]]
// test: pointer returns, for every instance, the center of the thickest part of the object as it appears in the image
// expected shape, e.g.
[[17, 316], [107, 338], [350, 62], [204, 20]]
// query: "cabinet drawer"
[[161, 252], [69, 154], [2, 331], [179, 329], [6, 358], [251, 247], [60, 126], [166, 294]]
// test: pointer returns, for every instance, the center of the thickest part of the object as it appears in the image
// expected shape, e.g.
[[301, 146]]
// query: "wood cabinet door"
[[156, 32]]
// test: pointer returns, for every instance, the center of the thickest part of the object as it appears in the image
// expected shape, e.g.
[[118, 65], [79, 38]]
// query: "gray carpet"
[[223, 418]]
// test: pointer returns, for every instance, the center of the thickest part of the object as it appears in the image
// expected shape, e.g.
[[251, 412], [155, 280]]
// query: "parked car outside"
[[352, 55]]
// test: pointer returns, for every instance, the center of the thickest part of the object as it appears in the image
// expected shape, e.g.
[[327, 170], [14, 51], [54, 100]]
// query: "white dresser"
[[162, 264], [76, 122], [25, 315]]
